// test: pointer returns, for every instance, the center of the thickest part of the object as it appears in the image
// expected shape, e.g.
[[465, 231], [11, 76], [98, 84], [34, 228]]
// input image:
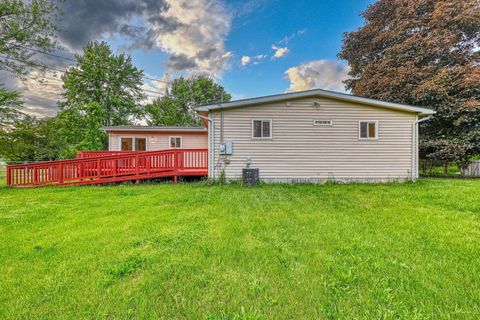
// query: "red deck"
[[90, 168]]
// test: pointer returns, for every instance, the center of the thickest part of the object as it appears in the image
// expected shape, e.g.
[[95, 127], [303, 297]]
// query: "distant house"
[[144, 138], [314, 136]]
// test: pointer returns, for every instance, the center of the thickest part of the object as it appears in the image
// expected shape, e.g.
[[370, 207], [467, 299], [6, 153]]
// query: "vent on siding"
[[322, 122]]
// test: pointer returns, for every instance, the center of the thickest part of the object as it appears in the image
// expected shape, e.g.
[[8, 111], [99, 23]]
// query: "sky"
[[251, 47]]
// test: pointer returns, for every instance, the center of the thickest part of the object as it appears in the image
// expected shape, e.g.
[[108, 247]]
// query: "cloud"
[[192, 33], [323, 74], [199, 36], [40, 91], [156, 88], [279, 52], [297, 33], [245, 60]]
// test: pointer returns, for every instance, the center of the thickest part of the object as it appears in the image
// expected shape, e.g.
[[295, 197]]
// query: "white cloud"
[[245, 60], [40, 90], [279, 51], [323, 74], [297, 33], [156, 88], [197, 43], [254, 60]]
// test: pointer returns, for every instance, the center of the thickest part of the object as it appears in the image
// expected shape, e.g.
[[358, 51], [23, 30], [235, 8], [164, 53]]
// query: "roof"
[[316, 93], [154, 128]]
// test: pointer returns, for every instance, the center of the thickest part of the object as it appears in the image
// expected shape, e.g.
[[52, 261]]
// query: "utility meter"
[[226, 148]]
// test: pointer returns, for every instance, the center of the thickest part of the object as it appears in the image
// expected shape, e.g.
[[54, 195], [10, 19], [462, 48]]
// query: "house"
[[309, 136], [145, 138], [314, 136]]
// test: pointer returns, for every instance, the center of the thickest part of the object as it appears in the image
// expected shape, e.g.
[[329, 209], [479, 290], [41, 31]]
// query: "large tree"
[[103, 89], [108, 80], [178, 106], [426, 53]]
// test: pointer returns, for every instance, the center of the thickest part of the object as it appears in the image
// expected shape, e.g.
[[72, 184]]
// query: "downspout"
[[211, 147], [415, 146]]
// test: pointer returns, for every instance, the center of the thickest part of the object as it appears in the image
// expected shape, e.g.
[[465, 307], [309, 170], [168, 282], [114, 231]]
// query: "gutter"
[[211, 146], [415, 146]]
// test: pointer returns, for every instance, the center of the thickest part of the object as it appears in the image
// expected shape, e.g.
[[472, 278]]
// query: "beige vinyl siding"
[[302, 151], [160, 141]]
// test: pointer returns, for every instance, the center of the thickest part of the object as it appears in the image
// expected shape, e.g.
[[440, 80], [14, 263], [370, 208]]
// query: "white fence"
[[473, 169]]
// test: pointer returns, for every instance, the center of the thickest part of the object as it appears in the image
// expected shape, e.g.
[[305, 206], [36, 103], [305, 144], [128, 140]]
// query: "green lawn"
[[166, 251]]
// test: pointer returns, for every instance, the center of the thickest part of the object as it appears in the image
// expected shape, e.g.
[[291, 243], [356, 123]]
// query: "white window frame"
[[134, 145], [360, 129], [271, 129], [322, 124], [170, 142]]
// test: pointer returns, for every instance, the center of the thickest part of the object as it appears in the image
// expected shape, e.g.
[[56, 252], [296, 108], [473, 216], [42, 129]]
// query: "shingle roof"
[[154, 128], [316, 93]]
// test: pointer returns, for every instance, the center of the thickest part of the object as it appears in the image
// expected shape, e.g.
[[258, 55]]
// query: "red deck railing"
[[94, 154], [112, 168]]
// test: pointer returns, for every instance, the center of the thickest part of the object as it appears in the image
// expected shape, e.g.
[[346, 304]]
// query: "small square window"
[[368, 130], [262, 129], [175, 142]]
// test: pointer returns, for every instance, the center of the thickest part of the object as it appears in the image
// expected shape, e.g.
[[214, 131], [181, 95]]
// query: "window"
[[322, 122], [140, 144], [175, 142], [368, 130], [127, 144], [262, 129], [133, 144]]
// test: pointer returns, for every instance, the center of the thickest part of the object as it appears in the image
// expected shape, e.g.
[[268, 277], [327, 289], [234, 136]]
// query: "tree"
[[32, 139], [111, 81], [25, 25], [426, 53], [178, 107], [19, 144], [102, 90], [9, 105]]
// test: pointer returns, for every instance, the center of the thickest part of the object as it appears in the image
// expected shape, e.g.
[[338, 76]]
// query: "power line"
[[75, 60], [62, 71]]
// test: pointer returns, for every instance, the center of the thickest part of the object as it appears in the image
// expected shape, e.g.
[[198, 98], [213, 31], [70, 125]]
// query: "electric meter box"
[[226, 148]]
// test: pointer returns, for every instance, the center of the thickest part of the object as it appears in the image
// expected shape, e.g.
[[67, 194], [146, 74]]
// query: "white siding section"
[[301, 151], [159, 141]]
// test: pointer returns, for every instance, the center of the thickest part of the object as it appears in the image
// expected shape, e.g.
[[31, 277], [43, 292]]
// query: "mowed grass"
[[191, 251]]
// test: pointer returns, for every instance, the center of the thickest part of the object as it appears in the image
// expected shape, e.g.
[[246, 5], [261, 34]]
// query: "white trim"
[[376, 130], [415, 147], [316, 93], [271, 129], [170, 142], [133, 142], [152, 128], [322, 124]]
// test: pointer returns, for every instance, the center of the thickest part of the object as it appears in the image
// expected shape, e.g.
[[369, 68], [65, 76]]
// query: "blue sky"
[[251, 47], [311, 30]]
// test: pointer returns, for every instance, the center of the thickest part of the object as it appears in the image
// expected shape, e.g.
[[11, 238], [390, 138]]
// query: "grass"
[[191, 251]]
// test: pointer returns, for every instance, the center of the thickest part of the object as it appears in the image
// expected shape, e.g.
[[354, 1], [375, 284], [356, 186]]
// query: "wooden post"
[[35, 175], [60, 173], [99, 173], [137, 165], [9, 176], [175, 179]]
